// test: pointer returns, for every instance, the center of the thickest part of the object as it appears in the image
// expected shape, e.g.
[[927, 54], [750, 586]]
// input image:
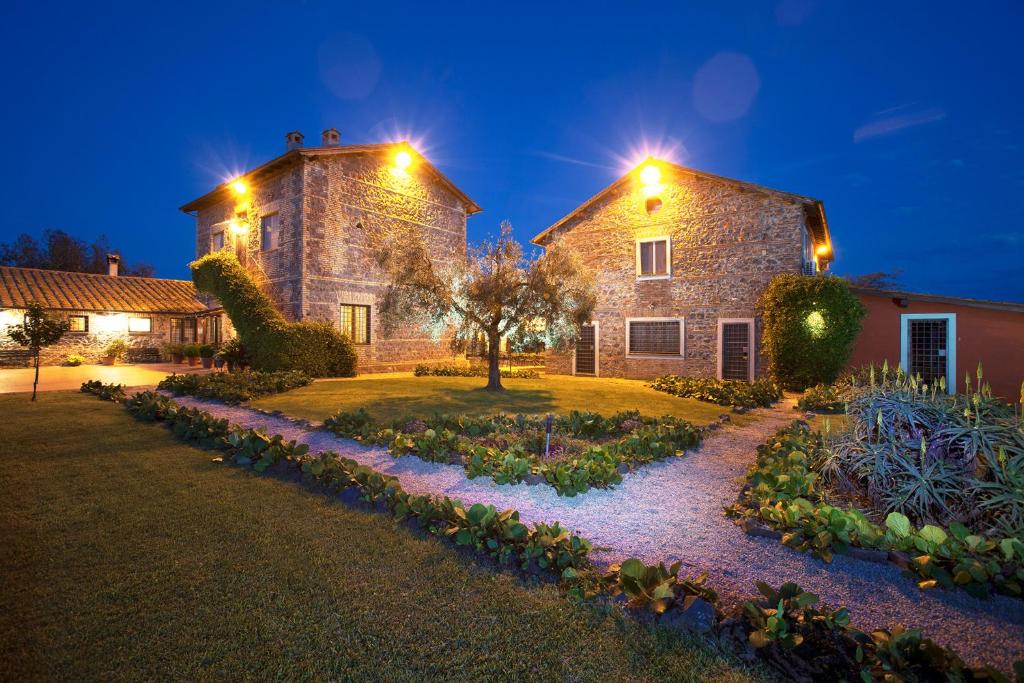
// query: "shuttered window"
[[355, 322], [655, 337]]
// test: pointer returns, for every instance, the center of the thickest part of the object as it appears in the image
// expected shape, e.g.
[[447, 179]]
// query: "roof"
[[1011, 306], [59, 289], [219, 193], [814, 209]]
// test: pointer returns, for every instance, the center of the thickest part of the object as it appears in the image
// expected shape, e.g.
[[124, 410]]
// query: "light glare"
[[403, 160], [239, 187], [650, 174]]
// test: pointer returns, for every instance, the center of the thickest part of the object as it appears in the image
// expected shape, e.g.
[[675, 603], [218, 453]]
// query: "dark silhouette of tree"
[[61, 251], [877, 280]]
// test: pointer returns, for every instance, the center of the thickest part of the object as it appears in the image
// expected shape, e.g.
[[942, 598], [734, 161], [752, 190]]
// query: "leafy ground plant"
[[586, 451]]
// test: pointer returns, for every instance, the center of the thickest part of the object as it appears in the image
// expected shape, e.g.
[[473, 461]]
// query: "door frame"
[[750, 344], [597, 348], [950, 319]]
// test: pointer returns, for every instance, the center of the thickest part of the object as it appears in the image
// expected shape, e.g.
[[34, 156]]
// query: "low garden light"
[[815, 323], [239, 187]]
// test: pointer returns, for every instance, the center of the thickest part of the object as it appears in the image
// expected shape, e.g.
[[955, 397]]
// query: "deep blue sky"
[[907, 119]]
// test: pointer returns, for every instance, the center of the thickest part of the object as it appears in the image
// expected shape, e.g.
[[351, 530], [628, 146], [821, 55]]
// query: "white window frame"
[[950, 319], [667, 239], [597, 350], [658, 356], [750, 344], [140, 317]]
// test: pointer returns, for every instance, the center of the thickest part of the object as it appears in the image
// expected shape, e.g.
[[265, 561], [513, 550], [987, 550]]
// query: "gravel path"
[[672, 510]]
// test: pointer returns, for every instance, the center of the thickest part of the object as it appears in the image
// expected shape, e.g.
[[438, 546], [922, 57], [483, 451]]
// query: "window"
[[355, 322], [79, 323], [654, 336], [140, 325], [270, 232], [213, 330], [810, 263], [183, 330], [653, 258], [928, 347], [217, 241]]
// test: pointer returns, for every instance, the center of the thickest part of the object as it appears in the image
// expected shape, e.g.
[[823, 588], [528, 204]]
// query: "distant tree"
[[495, 291], [37, 332], [61, 251], [877, 280]]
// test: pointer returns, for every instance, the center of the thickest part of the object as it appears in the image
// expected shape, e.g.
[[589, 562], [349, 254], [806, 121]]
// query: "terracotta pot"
[[218, 363], [177, 358], [193, 362], [207, 363], [109, 360]]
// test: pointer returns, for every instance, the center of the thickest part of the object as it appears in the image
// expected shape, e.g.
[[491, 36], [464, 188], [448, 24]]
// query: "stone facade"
[[727, 240], [328, 202]]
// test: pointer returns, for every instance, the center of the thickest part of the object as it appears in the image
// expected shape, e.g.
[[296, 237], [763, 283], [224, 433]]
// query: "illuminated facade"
[[680, 258], [301, 225]]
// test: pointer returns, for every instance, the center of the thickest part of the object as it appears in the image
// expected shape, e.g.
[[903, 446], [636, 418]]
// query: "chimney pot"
[[330, 138], [113, 263], [293, 140]]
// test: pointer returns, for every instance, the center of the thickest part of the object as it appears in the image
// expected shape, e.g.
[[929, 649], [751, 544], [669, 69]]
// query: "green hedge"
[[234, 387], [810, 324], [758, 394], [315, 348], [423, 370]]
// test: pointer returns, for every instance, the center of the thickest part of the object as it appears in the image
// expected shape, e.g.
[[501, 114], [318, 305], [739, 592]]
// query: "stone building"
[[300, 224], [680, 257], [146, 313]]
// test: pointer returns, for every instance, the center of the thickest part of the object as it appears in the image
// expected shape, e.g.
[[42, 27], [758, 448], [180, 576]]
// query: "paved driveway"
[[58, 377]]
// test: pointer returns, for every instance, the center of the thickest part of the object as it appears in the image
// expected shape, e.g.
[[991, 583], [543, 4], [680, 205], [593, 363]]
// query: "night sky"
[[906, 119]]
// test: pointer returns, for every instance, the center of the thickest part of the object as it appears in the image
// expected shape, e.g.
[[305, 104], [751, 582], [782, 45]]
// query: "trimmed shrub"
[[759, 394], [234, 387], [810, 324], [315, 348], [823, 398], [423, 370]]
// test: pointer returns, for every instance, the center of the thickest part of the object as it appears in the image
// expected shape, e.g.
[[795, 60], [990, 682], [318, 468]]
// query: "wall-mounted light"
[[237, 227], [823, 250], [403, 160], [239, 186], [650, 175]]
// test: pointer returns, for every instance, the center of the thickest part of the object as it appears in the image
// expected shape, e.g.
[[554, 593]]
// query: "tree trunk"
[[493, 369], [35, 382]]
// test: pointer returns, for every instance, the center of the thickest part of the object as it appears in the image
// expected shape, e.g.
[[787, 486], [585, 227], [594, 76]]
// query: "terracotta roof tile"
[[58, 289]]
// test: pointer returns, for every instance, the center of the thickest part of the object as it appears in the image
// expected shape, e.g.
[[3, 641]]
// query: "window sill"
[[141, 334], [654, 277], [654, 356]]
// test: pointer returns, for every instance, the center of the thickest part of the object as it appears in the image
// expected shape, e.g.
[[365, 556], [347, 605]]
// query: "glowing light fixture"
[[403, 160], [237, 227], [239, 186], [823, 250], [815, 323], [650, 174]]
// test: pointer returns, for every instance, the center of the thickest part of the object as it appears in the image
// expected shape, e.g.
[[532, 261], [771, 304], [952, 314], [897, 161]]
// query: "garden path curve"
[[672, 510]]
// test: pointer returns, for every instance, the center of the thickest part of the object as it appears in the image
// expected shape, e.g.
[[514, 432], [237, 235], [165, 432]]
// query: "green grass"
[[393, 398], [128, 555]]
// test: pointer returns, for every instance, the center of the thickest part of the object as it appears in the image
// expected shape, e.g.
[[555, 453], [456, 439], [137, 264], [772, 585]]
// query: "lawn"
[[128, 555], [392, 398]]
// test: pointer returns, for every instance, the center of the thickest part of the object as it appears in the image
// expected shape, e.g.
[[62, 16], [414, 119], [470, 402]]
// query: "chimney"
[[293, 140], [330, 138], [113, 261]]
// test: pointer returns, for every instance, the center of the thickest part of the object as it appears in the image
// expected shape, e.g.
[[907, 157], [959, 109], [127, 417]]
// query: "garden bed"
[[932, 475], [234, 387], [744, 395], [584, 450]]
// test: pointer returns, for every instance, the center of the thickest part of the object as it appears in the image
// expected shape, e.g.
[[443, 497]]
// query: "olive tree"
[[495, 291], [35, 333]]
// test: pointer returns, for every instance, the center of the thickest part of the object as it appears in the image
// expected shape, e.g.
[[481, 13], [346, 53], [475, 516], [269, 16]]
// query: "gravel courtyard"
[[672, 510]]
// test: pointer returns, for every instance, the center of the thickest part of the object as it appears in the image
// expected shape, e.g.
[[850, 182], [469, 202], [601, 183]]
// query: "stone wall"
[[348, 197], [103, 329], [329, 205], [727, 242]]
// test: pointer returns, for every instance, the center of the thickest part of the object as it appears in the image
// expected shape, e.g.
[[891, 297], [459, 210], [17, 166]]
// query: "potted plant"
[[114, 350], [219, 360], [191, 353], [206, 352], [74, 359], [233, 354], [173, 352]]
